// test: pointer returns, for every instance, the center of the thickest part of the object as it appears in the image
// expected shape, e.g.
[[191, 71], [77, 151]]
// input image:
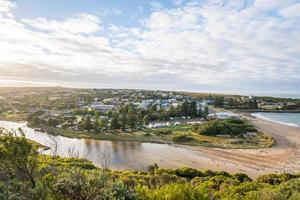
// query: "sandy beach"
[[282, 157]]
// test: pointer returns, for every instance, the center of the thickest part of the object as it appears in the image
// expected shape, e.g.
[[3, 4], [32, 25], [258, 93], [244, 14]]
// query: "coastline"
[[283, 157], [260, 116]]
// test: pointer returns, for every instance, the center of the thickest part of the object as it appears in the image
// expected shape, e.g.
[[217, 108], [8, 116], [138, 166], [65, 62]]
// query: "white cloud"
[[233, 45], [6, 6], [83, 23], [291, 11]]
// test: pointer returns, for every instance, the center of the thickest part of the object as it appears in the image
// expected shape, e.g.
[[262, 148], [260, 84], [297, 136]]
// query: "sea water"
[[290, 119]]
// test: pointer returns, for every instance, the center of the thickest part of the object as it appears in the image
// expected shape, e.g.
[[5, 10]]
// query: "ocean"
[[290, 119]]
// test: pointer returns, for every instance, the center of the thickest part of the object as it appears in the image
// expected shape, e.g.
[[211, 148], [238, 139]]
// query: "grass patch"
[[13, 117], [172, 135]]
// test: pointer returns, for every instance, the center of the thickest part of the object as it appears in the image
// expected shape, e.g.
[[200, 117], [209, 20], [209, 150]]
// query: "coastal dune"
[[283, 157]]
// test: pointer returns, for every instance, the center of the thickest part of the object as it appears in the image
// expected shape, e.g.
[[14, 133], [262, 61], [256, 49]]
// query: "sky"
[[236, 46]]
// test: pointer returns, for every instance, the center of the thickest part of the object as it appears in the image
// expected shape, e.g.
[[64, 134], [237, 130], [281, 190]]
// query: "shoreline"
[[283, 157], [139, 136], [268, 111], [259, 116]]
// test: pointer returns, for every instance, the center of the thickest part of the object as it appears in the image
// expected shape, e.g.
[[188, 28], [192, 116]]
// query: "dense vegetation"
[[127, 117], [25, 174], [224, 127]]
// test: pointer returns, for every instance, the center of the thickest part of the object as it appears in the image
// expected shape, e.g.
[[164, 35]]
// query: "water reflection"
[[125, 155]]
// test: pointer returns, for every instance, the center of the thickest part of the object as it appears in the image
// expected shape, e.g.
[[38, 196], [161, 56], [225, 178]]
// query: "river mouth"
[[124, 155], [127, 155]]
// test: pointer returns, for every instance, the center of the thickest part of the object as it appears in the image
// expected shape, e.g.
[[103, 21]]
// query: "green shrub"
[[173, 191], [183, 138], [163, 132], [224, 127], [275, 179]]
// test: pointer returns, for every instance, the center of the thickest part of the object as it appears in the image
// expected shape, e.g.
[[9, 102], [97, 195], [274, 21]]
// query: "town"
[[100, 110]]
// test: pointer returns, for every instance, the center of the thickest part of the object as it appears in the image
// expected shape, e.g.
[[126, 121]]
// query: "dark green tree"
[[132, 118], [185, 108], [193, 109], [171, 111], [205, 112], [219, 101], [97, 122], [115, 124], [87, 124], [123, 117], [140, 118]]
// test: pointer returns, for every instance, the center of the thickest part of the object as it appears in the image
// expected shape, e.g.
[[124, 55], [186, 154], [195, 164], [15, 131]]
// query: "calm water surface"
[[125, 155], [290, 119]]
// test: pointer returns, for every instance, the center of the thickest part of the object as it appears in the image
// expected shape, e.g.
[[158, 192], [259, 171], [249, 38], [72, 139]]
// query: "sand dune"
[[282, 157]]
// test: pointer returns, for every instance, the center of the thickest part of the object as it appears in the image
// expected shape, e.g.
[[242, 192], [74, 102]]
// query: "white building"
[[101, 107], [223, 115]]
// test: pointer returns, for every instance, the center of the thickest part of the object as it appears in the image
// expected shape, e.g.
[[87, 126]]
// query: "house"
[[223, 115], [270, 106], [101, 107], [145, 104]]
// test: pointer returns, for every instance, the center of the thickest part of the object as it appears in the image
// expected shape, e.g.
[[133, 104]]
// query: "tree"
[[97, 122], [230, 103], [140, 119], [87, 123], [205, 112], [193, 109], [253, 103], [146, 120], [102, 123], [171, 111], [18, 159], [131, 117], [185, 108], [200, 113], [114, 124], [219, 102], [123, 118]]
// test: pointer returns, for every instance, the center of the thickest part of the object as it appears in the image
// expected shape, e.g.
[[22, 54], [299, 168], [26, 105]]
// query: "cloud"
[[212, 45], [178, 2], [6, 6], [291, 11], [83, 23], [223, 43]]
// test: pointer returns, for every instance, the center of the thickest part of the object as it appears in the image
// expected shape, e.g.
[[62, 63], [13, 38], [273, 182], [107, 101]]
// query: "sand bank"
[[282, 157]]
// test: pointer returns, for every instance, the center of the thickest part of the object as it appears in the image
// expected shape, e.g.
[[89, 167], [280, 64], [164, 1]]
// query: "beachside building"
[[223, 115]]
